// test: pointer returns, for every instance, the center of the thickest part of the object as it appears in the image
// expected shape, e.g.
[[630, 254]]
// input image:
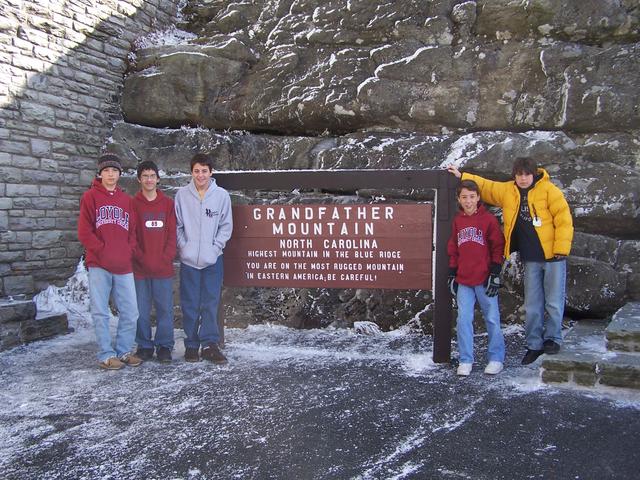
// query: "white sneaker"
[[464, 369], [493, 368]]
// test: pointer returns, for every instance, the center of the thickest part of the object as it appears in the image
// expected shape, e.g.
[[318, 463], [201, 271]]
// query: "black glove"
[[492, 284], [451, 282]]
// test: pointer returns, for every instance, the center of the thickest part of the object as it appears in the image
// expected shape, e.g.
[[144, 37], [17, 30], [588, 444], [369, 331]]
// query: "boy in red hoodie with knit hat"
[[475, 259], [153, 264], [106, 228]]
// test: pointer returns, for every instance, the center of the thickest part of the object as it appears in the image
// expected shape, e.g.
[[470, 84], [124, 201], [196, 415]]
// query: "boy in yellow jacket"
[[538, 225]]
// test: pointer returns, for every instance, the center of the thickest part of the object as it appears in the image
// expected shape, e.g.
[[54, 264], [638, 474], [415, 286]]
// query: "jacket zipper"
[[199, 234]]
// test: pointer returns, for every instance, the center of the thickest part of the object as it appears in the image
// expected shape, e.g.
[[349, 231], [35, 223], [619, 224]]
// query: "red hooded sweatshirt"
[[476, 242], [106, 228], [156, 234]]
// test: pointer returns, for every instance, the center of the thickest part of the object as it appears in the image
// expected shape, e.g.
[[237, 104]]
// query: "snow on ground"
[[319, 404], [290, 404]]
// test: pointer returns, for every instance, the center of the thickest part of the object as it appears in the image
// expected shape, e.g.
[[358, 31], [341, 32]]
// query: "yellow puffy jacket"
[[546, 201]]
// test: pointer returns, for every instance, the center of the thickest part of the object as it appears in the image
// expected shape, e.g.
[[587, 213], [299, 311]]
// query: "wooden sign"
[[330, 246]]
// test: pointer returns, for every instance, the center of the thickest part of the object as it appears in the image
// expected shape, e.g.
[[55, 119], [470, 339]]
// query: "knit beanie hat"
[[109, 160]]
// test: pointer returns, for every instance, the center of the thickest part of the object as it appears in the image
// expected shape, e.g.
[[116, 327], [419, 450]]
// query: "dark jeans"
[[199, 298]]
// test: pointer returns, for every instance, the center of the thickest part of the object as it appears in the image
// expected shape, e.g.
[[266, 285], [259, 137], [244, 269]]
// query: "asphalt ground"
[[314, 404]]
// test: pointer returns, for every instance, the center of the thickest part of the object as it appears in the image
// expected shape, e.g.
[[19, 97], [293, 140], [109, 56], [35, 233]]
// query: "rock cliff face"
[[337, 84]]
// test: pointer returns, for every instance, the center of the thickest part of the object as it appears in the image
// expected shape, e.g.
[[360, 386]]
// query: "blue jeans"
[[102, 284], [466, 298], [199, 298], [544, 291], [159, 292]]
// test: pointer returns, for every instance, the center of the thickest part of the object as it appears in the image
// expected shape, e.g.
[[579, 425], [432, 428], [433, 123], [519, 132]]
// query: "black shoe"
[[550, 347], [531, 356], [144, 354], [191, 355], [163, 354], [213, 354]]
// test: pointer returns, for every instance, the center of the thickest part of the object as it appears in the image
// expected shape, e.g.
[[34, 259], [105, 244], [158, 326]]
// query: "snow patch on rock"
[[169, 37]]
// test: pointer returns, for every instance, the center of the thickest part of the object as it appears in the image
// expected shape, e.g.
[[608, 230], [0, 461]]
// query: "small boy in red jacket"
[[475, 259], [153, 264], [106, 228]]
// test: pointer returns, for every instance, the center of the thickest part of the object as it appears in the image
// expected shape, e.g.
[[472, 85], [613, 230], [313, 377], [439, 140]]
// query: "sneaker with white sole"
[[112, 363], [131, 360], [464, 369], [493, 368]]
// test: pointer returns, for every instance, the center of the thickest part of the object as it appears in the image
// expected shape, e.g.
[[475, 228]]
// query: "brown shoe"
[[191, 355], [163, 354], [111, 364], [213, 354], [145, 354], [131, 360]]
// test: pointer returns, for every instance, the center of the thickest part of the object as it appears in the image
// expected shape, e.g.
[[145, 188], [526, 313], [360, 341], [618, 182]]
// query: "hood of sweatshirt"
[[464, 219], [481, 208], [159, 197], [210, 191], [99, 187]]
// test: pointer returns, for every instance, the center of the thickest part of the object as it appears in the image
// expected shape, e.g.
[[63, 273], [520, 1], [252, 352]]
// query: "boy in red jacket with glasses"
[[475, 260], [106, 228], [153, 264]]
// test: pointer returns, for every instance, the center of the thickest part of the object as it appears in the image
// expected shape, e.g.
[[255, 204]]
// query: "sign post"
[[345, 246]]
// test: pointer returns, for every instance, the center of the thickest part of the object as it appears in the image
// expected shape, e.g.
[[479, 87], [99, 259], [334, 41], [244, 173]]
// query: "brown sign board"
[[330, 246]]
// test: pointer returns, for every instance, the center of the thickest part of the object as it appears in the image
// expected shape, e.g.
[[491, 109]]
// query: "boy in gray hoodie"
[[204, 224]]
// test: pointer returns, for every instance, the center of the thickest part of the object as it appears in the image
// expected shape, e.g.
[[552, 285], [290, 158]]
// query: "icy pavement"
[[314, 404]]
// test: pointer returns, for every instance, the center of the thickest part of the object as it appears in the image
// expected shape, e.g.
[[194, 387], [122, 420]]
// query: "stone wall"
[[61, 74], [18, 323]]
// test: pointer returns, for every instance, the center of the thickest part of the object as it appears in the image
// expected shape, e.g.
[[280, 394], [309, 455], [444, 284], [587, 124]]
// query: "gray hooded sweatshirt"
[[204, 226]]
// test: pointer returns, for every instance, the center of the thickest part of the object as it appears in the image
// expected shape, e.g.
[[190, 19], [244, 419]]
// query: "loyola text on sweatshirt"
[[476, 242], [106, 228]]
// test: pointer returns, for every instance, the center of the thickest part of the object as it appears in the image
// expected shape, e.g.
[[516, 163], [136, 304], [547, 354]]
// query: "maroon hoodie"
[[476, 242], [156, 234], [106, 228]]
